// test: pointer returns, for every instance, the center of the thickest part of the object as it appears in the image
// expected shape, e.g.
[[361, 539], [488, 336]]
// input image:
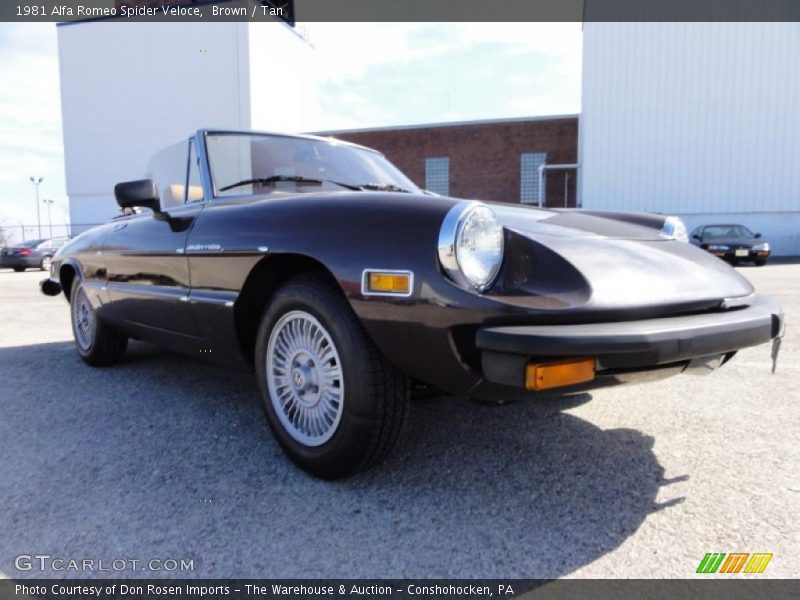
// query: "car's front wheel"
[[45, 264], [19, 269], [333, 402], [97, 343]]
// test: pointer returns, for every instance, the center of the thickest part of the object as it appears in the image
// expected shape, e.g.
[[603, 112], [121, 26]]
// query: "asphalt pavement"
[[163, 458]]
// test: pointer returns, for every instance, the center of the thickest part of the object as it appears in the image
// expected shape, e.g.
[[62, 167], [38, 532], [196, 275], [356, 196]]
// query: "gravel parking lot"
[[165, 458]]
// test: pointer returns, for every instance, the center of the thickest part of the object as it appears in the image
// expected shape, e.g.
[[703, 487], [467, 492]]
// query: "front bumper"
[[628, 345], [28, 262], [731, 256]]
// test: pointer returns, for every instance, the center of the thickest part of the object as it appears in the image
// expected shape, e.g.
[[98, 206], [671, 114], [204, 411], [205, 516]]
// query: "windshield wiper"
[[382, 187], [356, 187], [290, 178]]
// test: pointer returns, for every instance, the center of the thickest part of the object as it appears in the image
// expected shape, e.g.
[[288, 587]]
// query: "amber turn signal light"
[[545, 376], [378, 282]]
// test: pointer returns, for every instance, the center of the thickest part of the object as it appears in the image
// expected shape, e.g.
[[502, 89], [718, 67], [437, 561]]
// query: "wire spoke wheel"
[[328, 429], [83, 320], [305, 378]]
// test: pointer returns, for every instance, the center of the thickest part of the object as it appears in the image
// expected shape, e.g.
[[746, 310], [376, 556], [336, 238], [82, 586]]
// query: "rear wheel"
[[333, 402], [98, 344]]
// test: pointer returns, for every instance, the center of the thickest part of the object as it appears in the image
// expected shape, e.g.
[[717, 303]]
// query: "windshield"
[[257, 163], [718, 232]]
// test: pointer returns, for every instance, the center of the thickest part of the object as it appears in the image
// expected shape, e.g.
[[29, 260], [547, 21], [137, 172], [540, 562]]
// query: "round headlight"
[[471, 245]]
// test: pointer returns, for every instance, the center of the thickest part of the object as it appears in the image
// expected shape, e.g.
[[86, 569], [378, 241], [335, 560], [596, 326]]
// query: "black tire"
[[104, 346], [19, 269], [375, 394], [761, 262]]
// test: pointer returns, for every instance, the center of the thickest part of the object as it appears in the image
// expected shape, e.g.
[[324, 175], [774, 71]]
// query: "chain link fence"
[[17, 233]]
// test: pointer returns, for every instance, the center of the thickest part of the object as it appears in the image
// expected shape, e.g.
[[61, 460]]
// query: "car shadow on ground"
[[163, 457]]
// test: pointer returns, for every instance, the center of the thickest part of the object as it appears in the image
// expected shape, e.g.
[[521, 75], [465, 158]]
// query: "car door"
[[147, 268]]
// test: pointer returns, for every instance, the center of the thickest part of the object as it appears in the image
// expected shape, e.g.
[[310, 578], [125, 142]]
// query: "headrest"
[[173, 194]]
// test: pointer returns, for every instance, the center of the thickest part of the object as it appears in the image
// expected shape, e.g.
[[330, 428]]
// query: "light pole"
[[36, 181], [49, 203]]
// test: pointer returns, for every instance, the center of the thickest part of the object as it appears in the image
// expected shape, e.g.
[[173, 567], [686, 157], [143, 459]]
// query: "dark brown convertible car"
[[319, 265]]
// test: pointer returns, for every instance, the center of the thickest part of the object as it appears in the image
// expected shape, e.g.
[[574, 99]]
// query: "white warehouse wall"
[[283, 79], [695, 119], [130, 89]]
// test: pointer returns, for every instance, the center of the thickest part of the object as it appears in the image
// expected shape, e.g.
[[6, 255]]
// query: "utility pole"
[[49, 203], [36, 181]]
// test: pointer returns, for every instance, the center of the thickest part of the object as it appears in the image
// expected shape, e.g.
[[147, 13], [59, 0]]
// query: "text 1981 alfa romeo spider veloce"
[[320, 265]]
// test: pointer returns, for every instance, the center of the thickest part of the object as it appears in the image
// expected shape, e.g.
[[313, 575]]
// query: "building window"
[[529, 177], [437, 175]]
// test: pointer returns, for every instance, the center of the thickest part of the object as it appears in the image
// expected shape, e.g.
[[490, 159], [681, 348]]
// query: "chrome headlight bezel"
[[761, 247], [449, 237]]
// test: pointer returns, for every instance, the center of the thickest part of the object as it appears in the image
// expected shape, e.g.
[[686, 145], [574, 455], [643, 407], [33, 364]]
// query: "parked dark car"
[[318, 264], [734, 243], [33, 254]]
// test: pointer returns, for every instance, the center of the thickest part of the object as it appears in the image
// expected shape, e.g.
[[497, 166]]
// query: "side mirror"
[[697, 237], [758, 235], [135, 194]]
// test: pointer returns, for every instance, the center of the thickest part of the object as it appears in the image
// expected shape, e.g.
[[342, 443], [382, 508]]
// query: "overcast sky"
[[375, 74]]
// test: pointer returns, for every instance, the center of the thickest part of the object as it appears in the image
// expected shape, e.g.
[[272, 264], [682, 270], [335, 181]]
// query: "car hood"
[[570, 224], [618, 264]]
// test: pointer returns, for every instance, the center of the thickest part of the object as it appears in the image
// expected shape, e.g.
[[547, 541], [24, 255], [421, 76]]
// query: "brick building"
[[488, 160]]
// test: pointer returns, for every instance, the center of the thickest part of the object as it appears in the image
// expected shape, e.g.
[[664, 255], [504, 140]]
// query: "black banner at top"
[[291, 11]]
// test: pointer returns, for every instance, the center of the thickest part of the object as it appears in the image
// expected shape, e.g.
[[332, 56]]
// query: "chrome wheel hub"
[[83, 320], [305, 378]]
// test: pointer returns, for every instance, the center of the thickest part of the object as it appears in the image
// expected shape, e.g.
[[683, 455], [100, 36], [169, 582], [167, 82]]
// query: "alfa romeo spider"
[[321, 267]]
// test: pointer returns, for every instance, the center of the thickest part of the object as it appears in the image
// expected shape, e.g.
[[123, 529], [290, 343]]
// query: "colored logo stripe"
[[758, 563], [734, 562], [713, 562]]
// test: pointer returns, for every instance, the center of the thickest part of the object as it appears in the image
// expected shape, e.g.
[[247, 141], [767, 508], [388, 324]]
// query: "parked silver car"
[[33, 254]]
